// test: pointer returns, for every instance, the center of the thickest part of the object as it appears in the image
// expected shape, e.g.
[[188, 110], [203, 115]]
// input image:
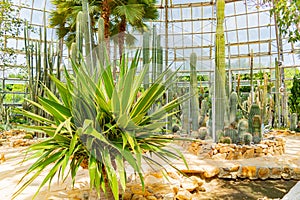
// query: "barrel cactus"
[[225, 140], [247, 138], [233, 134]]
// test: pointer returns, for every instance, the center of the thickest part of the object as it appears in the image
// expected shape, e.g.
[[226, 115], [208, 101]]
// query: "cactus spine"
[[194, 92], [220, 68], [294, 122]]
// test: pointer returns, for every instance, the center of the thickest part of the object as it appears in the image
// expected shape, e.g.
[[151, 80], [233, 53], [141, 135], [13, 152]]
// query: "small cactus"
[[247, 138], [233, 134], [202, 133], [225, 140], [219, 134]]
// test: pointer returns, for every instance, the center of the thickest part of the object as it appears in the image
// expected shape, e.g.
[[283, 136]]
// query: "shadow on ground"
[[247, 189]]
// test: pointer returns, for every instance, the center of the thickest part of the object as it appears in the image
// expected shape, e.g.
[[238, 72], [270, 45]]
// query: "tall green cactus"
[[220, 68], [257, 134], [159, 57], [294, 122], [254, 110], [203, 111], [154, 54], [101, 48], [277, 97], [42, 67], [146, 56], [185, 112], [233, 102], [242, 128], [194, 92], [79, 35]]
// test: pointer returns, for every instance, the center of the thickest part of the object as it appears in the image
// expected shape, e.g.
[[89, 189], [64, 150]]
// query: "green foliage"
[[103, 123], [294, 98], [10, 27], [287, 18]]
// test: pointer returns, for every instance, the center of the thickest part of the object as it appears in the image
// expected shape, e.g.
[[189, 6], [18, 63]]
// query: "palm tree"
[[115, 13], [64, 17], [134, 12]]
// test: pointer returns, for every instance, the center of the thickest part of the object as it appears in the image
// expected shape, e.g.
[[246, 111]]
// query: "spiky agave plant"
[[103, 123]]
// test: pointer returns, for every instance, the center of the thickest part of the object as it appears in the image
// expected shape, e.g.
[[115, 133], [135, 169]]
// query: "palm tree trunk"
[[121, 36], [105, 15]]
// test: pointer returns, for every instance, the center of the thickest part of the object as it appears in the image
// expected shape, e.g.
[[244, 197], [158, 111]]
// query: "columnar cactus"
[[233, 102], [146, 57], [159, 57], [194, 92], [294, 122], [220, 68], [257, 134], [203, 111], [242, 128], [101, 44], [254, 110], [154, 54]]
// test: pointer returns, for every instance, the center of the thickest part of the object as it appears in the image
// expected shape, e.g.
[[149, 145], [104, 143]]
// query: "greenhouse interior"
[[150, 99]]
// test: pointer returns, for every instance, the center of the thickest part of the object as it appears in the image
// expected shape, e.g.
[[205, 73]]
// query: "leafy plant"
[[294, 98], [102, 124], [287, 18]]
